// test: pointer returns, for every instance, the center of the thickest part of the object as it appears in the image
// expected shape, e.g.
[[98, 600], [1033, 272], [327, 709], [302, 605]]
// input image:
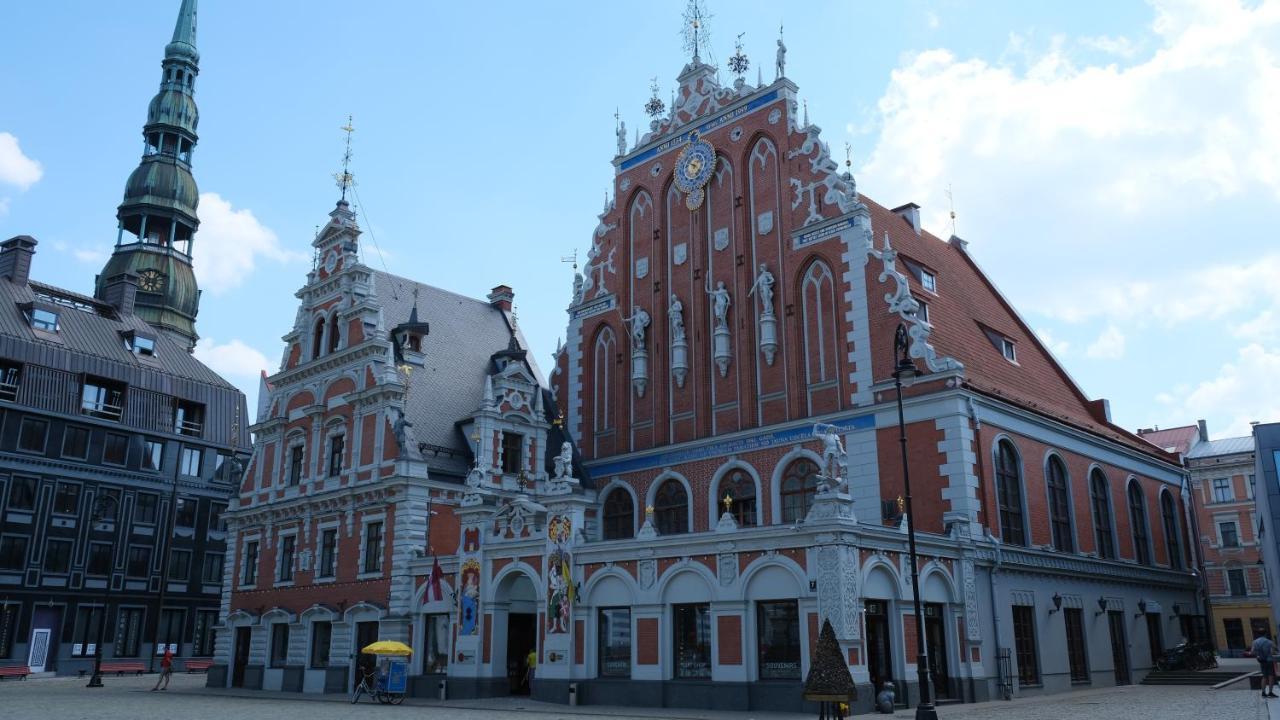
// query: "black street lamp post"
[[100, 506], [904, 367]]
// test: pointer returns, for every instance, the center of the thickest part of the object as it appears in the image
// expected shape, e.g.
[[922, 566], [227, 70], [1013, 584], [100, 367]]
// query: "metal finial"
[[345, 179], [696, 34], [738, 62], [571, 259], [655, 106], [848, 155]]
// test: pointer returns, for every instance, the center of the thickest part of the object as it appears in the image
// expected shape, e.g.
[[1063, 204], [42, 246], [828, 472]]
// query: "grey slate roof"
[[1225, 446]]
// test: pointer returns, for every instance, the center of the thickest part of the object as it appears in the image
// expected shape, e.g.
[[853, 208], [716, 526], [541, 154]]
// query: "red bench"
[[19, 671], [120, 668], [197, 665]]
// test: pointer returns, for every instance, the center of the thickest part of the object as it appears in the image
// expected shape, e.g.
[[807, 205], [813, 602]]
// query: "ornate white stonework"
[[905, 306]]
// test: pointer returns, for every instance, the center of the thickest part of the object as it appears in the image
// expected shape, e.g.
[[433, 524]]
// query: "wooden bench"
[[197, 665], [120, 668], [19, 671]]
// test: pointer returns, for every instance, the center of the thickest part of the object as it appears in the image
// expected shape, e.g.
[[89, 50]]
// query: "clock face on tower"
[[693, 169], [151, 281]]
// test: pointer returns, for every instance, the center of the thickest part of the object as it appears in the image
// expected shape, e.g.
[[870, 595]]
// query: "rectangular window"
[[142, 345], [284, 572], [10, 375], [66, 501], [1249, 486], [57, 556], [512, 445], [1008, 349], [1024, 640], [75, 443], [1230, 537], [211, 572], [185, 517], [929, 281], [22, 493], [778, 635], [84, 641], [249, 576], [146, 508], [1076, 653], [128, 632], [99, 559], [139, 565], [32, 435], [45, 320], [335, 455], [170, 630], [115, 449], [102, 398], [435, 644], [1235, 582], [615, 642], [206, 622], [328, 550], [180, 565], [188, 418], [106, 510], [321, 632], [692, 641], [922, 311], [1222, 490], [279, 644], [216, 522], [152, 454], [8, 628], [13, 552], [191, 461], [373, 548], [295, 465]]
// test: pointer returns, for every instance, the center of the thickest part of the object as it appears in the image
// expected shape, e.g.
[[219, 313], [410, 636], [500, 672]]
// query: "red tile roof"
[[1180, 438]]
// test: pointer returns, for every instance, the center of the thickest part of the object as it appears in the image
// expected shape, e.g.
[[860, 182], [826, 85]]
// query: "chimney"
[[911, 213], [1204, 430], [501, 297], [959, 243], [15, 258], [120, 291]]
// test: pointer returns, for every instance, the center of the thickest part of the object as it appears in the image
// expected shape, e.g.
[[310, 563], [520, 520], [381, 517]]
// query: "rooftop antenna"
[[951, 202], [345, 178]]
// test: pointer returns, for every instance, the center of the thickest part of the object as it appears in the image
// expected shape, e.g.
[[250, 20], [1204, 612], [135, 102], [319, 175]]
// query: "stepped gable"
[[966, 303]]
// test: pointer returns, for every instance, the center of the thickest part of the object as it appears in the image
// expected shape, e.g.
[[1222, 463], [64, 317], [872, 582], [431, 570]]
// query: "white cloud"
[[1058, 347], [1108, 346], [1244, 390], [233, 358], [15, 167], [1118, 46], [932, 20], [229, 243]]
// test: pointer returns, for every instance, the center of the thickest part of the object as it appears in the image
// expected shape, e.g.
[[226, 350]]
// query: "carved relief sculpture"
[[469, 598], [560, 590]]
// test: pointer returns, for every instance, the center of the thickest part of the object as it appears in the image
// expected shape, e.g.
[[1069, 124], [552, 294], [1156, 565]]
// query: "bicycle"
[[374, 685]]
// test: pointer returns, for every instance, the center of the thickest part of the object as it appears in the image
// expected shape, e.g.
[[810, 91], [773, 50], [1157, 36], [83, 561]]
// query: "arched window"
[[671, 508], [602, 382], [1170, 517], [1100, 496], [619, 515], [317, 339], [1059, 505], [1009, 494], [738, 487], [334, 335], [1138, 521], [819, 318], [799, 485]]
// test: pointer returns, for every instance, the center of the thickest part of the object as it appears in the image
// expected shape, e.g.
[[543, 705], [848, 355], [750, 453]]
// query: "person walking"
[[530, 665], [166, 669], [1265, 651]]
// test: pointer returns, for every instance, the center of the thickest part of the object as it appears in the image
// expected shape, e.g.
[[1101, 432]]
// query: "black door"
[[935, 637], [879, 651], [1119, 650], [521, 640], [241, 658], [1155, 638], [366, 634]]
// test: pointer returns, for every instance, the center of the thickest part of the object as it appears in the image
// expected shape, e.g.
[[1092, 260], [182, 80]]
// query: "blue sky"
[[1113, 164]]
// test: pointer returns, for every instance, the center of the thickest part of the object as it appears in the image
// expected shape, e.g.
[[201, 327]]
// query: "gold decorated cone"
[[829, 678], [387, 647]]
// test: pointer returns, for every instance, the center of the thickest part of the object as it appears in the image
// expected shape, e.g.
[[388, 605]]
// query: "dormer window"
[[139, 344], [922, 310], [43, 319], [1008, 349], [928, 281], [188, 418], [102, 398]]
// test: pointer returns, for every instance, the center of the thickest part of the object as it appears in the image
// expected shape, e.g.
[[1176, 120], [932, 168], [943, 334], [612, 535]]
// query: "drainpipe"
[[995, 608]]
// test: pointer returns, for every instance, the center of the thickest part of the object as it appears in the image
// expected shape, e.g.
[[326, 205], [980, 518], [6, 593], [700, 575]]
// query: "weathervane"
[[952, 203], [655, 106], [848, 156], [696, 35], [738, 62], [571, 259], [345, 179]]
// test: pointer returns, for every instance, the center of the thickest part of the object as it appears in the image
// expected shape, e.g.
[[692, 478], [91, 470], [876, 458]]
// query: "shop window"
[[206, 624], [615, 642], [778, 635], [435, 644], [170, 630], [691, 643], [279, 644], [128, 632], [671, 508], [8, 628], [84, 641], [619, 515]]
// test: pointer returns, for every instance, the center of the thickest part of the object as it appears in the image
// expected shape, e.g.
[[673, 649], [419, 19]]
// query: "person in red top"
[[166, 669]]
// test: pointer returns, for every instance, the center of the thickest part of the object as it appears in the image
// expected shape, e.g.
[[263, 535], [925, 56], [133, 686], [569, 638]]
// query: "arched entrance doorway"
[[515, 624]]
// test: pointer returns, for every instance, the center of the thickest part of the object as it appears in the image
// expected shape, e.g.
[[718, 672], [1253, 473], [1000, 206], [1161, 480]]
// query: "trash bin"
[[573, 693], [442, 691]]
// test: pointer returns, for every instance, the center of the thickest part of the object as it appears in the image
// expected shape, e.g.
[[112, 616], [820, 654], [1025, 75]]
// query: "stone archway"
[[515, 629]]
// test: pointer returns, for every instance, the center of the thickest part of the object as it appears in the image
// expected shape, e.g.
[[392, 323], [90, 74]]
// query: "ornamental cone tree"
[[829, 677]]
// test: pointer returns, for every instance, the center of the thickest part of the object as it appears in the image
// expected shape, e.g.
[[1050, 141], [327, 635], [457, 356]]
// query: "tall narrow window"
[[512, 452], [819, 318], [249, 573], [615, 642], [373, 547], [435, 646], [1235, 582], [321, 633], [85, 640], [1059, 505], [740, 491], [799, 486], [1100, 498], [692, 641], [1024, 640], [57, 556], [1169, 517], [336, 446], [671, 508], [335, 337], [8, 628], [1009, 494], [1138, 521], [317, 339], [279, 644], [284, 572], [128, 632], [328, 552], [295, 465], [171, 626], [206, 622], [1077, 655], [602, 385], [191, 458], [619, 515]]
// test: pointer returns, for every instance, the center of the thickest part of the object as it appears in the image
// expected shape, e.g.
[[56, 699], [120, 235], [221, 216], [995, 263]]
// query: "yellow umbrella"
[[387, 647]]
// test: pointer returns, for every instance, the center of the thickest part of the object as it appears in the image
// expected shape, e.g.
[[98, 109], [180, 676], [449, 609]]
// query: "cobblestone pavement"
[[129, 699]]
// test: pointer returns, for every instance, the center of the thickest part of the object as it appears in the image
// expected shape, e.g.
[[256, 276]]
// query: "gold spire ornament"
[[345, 180], [727, 502]]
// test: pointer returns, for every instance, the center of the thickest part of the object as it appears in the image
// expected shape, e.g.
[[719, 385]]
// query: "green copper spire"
[[157, 218]]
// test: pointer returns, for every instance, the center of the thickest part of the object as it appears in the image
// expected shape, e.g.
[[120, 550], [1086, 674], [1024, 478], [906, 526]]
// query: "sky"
[[1114, 165]]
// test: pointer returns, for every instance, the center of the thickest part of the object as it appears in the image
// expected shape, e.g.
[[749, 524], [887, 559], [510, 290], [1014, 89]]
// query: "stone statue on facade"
[[639, 322], [403, 431], [676, 314], [720, 303], [833, 455], [764, 284], [564, 461], [622, 137], [782, 57]]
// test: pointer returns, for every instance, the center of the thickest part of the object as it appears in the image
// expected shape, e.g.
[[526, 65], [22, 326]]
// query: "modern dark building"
[[118, 449], [1266, 493]]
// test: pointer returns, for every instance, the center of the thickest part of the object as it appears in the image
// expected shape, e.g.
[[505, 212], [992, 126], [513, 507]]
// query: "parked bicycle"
[[385, 684]]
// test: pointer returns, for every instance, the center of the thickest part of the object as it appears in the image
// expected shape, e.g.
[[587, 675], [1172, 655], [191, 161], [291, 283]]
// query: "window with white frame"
[[327, 562], [1222, 490], [928, 281], [337, 444], [287, 553], [249, 564], [296, 459], [1229, 534], [372, 548]]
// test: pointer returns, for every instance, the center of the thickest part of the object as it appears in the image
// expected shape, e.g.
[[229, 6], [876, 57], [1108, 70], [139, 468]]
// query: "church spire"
[[157, 218]]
